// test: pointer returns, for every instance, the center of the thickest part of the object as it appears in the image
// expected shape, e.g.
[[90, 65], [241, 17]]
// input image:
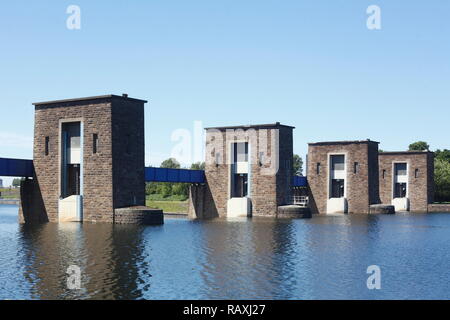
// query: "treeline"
[[169, 189], [441, 170]]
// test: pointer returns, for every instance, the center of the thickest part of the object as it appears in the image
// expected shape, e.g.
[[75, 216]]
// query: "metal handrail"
[[301, 201]]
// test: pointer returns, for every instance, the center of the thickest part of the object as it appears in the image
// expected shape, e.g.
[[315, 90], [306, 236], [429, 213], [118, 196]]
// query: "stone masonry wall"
[[285, 172], [217, 173], [270, 183], [96, 117], [128, 153], [264, 176], [201, 204], [374, 181], [31, 206], [361, 186], [421, 188]]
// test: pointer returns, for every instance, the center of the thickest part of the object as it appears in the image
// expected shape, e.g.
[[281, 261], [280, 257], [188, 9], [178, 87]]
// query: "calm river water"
[[259, 258]]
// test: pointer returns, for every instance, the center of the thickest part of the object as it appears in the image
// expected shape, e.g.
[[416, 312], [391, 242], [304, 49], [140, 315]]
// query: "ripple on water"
[[259, 258]]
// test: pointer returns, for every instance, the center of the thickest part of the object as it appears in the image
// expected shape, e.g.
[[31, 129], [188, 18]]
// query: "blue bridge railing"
[[174, 175], [16, 167], [300, 181], [24, 168]]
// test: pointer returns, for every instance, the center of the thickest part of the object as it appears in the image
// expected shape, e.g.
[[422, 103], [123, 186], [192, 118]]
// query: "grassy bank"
[[173, 204], [7, 193]]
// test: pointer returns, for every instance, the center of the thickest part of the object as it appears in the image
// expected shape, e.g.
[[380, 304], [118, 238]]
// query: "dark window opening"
[[400, 190], [416, 173], [47, 145], [318, 168], [95, 143], [384, 173], [355, 167], [337, 188], [240, 185]]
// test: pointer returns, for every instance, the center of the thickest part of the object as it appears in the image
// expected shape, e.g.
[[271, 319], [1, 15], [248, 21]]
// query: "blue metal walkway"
[[24, 168], [174, 175], [300, 181], [16, 167]]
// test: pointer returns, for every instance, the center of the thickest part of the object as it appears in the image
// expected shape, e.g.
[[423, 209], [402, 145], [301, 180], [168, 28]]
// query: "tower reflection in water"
[[108, 257]]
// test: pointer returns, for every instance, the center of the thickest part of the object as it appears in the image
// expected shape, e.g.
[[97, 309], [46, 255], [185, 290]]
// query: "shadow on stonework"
[[31, 208]]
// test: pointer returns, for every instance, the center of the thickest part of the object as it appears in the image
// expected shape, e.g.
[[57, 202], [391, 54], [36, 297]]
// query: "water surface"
[[259, 258]]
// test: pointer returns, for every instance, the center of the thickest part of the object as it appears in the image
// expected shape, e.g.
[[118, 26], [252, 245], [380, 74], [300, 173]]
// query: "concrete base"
[[293, 211], [139, 215], [401, 204], [70, 209], [382, 209], [337, 205], [239, 207]]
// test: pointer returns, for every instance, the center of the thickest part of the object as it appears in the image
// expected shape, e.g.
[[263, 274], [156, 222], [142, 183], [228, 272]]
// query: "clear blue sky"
[[311, 64]]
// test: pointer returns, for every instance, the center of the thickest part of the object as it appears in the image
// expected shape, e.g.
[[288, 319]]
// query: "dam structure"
[[88, 166], [248, 171]]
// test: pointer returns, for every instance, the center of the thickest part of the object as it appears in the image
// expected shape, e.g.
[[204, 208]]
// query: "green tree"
[[442, 180], [180, 189], [16, 182], [151, 187], [198, 166], [171, 163], [442, 155], [165, 189], [297, 165], [419, 146]]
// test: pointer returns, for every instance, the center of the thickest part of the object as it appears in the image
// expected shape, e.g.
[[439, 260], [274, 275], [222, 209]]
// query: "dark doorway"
[[337, 188], [240, 186], [400, 190], [73, 183]]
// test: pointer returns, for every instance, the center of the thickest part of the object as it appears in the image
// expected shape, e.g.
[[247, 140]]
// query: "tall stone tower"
[[88, 159], [248, 171], [343, 176]]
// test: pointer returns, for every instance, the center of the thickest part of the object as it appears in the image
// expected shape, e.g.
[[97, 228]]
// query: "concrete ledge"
[[438, 207], [293, 211], [139, 215], [10, 201], [382, 209]]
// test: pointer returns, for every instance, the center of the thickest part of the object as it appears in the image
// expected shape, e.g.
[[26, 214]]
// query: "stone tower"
[[88, 159], [248, 171]]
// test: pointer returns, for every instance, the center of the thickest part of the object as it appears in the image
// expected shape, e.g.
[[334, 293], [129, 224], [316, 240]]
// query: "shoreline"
[[10, 201]]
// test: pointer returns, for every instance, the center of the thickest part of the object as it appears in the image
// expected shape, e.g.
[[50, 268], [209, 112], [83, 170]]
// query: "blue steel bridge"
[[24, 168]]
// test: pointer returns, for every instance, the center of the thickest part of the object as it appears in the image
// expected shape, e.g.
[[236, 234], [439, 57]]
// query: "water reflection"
[[248, 260], [260, 258], [109, 257]]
